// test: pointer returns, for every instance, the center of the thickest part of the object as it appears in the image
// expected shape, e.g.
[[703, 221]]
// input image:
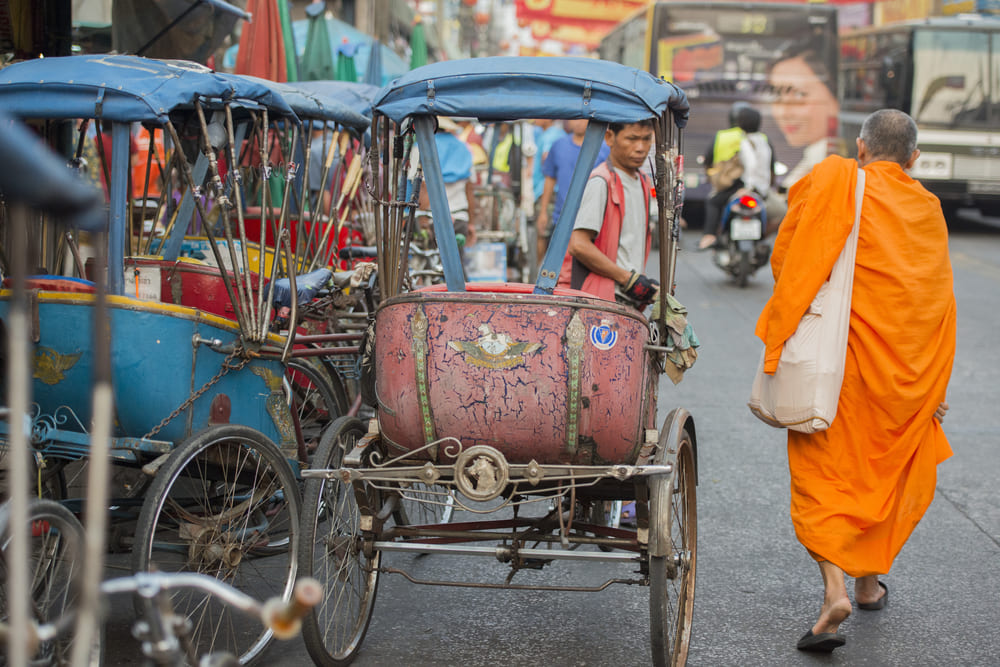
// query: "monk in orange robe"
[[859, 488]]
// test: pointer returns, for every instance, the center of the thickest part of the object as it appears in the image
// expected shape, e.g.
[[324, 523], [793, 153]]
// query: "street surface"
[[758, 590]]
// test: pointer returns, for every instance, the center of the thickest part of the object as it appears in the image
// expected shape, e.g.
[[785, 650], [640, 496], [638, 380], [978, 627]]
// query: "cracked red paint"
[[498, 374]]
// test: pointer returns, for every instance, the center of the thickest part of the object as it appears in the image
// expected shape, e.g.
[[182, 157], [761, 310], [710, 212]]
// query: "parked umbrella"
[[317, 59], [262, 46], [373, 71], [345, 62], [291, 62], [418, 45]]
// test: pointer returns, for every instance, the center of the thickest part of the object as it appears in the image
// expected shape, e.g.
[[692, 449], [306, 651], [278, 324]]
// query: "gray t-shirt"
[[632, 242]]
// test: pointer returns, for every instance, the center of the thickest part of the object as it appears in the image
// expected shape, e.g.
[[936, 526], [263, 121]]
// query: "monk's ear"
[[912, 161], [862, 151]]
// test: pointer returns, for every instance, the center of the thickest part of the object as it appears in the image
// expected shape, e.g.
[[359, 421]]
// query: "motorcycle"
[[741, 249]]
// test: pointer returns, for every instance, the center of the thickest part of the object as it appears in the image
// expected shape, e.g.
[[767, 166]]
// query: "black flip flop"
[[878, 604], [824, 642]]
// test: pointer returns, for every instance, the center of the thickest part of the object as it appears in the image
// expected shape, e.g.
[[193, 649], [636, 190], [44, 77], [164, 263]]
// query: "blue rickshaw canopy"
[[311, 102], [510, 87], [122, 88], [358, 96]]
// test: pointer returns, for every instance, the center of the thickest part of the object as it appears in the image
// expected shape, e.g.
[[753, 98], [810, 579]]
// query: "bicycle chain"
[[196, 395]]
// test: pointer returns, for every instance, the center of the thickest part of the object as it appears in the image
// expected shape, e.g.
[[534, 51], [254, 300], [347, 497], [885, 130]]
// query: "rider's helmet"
[[748, 119], [735, 110]]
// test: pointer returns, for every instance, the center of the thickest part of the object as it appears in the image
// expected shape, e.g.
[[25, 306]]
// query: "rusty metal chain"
[[226, 367]]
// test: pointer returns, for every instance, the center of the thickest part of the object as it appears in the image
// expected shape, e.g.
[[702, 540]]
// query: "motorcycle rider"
[[757, 158]]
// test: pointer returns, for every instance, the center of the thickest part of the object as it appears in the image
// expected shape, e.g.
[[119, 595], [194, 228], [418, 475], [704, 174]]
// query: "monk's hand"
[[942, 409], [641, 289]]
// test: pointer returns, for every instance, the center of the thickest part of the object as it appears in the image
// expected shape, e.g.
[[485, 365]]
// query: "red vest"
[[577, 276]]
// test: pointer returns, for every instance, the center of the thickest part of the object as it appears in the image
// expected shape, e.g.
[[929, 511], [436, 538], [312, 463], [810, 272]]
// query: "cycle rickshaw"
[[204, 435], [500, 399], [50, 567]]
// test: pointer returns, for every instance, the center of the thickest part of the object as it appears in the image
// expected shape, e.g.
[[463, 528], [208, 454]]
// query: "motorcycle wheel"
[[743, 269]]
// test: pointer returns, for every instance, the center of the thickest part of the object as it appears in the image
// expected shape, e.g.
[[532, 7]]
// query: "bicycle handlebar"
[[285, 618], [281, 617]]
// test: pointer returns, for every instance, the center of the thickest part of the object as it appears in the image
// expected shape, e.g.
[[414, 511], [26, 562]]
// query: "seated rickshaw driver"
[[611, 238]]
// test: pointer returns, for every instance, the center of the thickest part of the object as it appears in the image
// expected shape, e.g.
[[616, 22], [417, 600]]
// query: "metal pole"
[[444, 228], [119, 225], [18, 356], [96, 509], [548, 275]]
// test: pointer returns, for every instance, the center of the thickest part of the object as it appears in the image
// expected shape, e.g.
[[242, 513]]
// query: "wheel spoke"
[[331, 552], [213, 508]]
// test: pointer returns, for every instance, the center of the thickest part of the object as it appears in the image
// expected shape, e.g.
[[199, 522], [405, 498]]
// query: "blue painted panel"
[[155, 369]]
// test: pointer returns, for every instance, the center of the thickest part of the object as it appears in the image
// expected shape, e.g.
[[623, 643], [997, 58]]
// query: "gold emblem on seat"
[[494, 351], [50, 366]]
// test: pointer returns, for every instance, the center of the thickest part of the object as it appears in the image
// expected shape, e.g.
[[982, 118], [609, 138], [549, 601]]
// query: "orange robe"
[[860, 487]]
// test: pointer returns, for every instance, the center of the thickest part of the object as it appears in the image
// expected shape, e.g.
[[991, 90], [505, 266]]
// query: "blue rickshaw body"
[[155, 367]]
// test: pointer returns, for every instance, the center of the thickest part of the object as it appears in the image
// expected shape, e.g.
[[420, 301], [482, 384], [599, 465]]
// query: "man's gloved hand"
[[641, 289]]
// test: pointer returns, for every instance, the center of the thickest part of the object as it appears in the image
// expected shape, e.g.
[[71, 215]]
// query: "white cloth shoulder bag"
[[803, 393]]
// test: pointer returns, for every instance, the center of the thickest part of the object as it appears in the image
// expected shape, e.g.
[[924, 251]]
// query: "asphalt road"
[[757, 589]]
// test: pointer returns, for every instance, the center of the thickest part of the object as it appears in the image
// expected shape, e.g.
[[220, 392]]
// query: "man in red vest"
[[611, 238]]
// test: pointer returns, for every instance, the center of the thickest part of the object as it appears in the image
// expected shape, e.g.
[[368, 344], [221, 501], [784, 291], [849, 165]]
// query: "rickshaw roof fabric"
[[121, 88], [313, 103], [512, 87], [358, 96]]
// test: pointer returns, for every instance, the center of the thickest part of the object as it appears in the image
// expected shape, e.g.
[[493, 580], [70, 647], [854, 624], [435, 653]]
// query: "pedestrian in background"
[[859, 488], [558, 172], [547, 132]]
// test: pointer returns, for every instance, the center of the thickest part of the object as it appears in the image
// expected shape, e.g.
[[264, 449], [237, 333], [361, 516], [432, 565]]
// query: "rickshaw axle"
[[515, 587], [506, 553]]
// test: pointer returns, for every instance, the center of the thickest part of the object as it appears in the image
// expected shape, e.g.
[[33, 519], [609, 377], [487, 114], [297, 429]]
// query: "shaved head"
[[890, 134]]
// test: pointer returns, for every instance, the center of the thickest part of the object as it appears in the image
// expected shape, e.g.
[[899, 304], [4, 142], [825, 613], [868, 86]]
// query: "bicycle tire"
[[332, 551], [313, 393], [56, 565], [197, 517]]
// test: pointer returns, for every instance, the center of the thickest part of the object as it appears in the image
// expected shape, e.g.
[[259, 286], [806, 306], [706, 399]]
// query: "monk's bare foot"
[[867, 591], [832, 614]]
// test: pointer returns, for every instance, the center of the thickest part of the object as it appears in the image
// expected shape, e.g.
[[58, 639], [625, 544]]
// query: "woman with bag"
[[859, 487]]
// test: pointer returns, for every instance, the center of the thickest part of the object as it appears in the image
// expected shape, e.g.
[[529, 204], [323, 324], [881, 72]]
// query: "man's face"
[[630, 147], [577, 126]]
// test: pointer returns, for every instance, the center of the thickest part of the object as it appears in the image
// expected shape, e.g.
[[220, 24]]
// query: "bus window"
[[995, 88], [950, 84]]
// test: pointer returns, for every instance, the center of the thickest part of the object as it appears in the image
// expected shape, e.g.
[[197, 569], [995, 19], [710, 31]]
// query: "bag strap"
[[844, 266], [859, 196]]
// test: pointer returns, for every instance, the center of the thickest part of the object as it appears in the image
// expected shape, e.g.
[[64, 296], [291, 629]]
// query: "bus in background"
[[945, 73], [781, 58]]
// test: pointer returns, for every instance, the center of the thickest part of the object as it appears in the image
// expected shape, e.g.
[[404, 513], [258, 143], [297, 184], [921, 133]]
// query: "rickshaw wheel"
[[332, 551], [317, 397], [425, 505], [55, 566], [225, 503], [672, 575]]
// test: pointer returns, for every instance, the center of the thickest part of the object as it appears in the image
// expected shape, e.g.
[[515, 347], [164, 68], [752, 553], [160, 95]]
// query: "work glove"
[[641, 289]]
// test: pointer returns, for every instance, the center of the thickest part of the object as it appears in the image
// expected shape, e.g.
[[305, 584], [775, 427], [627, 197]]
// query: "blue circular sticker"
[[603, 337]]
